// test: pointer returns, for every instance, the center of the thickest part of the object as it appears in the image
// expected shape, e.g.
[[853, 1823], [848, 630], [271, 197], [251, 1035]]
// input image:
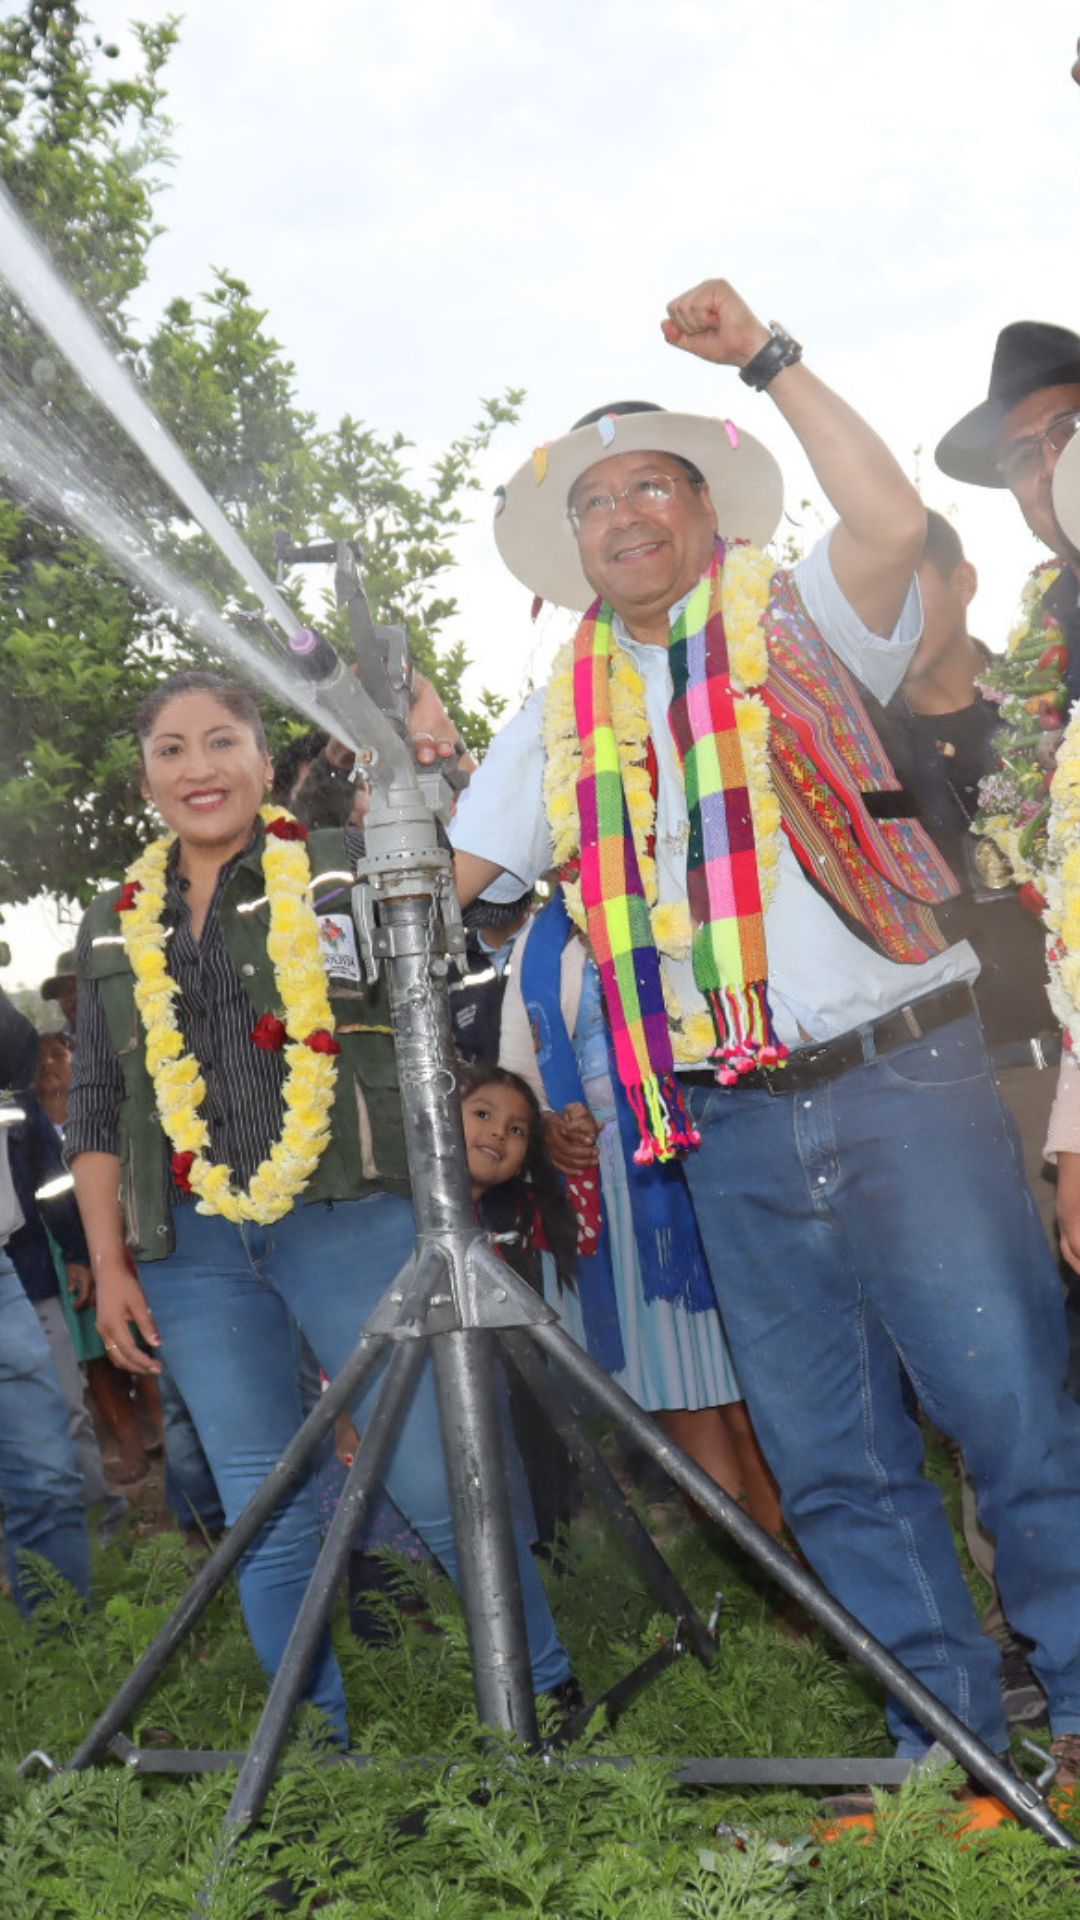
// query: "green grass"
[[501, 1834]]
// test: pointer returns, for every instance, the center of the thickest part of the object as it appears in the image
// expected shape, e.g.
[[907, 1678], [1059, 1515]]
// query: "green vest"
[[366, 1150]]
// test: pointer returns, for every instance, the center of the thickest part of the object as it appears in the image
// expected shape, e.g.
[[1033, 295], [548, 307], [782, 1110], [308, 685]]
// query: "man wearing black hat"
[[1014, 438]]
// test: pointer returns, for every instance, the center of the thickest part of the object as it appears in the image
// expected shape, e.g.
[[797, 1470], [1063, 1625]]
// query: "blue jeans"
[[227, 1303], [885, 1214], [40, 1484]]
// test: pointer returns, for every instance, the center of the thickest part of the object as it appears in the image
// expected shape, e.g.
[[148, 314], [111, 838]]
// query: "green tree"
[[82, 153]]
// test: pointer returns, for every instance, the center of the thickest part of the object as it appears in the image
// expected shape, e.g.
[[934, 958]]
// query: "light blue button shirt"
[[822, 978]]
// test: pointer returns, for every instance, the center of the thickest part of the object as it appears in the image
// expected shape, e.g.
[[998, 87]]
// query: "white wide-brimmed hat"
[[532, 530], [1067, 491]]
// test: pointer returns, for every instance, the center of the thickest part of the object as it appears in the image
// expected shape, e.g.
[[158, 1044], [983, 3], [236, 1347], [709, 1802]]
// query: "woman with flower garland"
[[235, 1121]]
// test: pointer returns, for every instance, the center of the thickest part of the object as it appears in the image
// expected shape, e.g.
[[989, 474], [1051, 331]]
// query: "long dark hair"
[[537, 1189]]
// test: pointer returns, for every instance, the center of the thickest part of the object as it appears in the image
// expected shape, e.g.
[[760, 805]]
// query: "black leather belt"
[[823, 1060], [1042, 1050]]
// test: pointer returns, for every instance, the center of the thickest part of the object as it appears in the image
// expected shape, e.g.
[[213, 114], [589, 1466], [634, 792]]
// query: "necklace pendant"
[[991, 865]]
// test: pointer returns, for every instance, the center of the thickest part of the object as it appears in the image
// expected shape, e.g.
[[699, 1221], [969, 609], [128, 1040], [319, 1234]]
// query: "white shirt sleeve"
[[500, 816], [880, 664]]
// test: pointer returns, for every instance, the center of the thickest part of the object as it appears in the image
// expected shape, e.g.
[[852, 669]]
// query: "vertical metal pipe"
[[259, 1767], [490, 1588], [464, 1359], [431, 1110]]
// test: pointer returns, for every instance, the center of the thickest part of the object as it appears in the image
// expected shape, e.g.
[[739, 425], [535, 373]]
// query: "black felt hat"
[[65, 970], [1030, 355]]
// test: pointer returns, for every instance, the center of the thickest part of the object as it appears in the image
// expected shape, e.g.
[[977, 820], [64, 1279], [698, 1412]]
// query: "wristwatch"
[[779, 351]]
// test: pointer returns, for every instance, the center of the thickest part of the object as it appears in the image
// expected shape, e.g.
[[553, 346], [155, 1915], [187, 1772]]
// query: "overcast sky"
[[445, 197]]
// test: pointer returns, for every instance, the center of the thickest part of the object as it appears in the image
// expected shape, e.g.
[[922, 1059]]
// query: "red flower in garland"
[[127, 895], [287, 829], [322, 1042], [269, 1033], [181, 1164], [1032, 898]]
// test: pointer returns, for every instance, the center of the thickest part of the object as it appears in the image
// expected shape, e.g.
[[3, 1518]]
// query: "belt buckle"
[[911, 1021], [1035, 1045]]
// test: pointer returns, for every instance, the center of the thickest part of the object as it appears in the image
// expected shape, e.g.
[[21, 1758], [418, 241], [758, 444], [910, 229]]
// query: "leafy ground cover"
[[490, 1835]]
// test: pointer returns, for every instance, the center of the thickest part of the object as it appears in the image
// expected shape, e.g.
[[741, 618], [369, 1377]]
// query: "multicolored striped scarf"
[[828, 771], [723, 887]]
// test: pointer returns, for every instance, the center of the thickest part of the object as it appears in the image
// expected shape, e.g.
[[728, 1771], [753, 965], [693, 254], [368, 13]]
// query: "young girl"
[[228, 1055], [515, 1187]]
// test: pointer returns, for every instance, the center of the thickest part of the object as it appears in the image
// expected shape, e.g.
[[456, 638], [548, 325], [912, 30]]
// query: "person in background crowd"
[[63, 987], [317, 777], [1014, 440], [124, 1405], [313, 777], [40, 1485], [50, 1255], [1063, 1134], [726, 825], [123, 1400], [939, 731], [478, 983]]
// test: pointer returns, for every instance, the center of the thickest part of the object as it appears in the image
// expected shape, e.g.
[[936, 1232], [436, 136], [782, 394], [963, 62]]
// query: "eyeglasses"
[[650, 494], [1023, 459]]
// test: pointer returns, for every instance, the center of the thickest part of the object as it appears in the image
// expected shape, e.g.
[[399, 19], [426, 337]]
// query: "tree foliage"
[[82, 152]]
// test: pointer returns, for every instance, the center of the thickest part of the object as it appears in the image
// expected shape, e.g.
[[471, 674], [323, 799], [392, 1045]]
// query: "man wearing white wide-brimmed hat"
[[702, 774]]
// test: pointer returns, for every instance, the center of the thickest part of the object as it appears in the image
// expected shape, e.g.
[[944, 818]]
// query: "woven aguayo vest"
[[831, 775]]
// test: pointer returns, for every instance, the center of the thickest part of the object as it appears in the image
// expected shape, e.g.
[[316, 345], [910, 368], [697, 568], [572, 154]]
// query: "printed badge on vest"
[[337, 942]]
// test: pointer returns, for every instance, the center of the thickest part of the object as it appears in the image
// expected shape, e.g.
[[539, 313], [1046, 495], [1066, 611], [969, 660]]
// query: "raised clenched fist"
[[714, 322]]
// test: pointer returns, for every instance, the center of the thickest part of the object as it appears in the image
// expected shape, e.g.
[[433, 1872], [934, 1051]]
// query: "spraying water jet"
[[32, 278]]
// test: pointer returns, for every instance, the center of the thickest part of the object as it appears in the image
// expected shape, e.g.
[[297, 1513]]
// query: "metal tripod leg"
[[380, 1426], [1023, 1799], [407, 1296], [651, 1565], [490, 1587]]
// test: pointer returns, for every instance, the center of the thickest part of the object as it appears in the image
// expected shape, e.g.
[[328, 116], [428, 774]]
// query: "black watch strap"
[[779, 351]]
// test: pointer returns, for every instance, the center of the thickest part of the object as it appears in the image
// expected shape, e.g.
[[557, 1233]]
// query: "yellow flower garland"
[[310, 1079], [1060, 885], [745, 585]]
